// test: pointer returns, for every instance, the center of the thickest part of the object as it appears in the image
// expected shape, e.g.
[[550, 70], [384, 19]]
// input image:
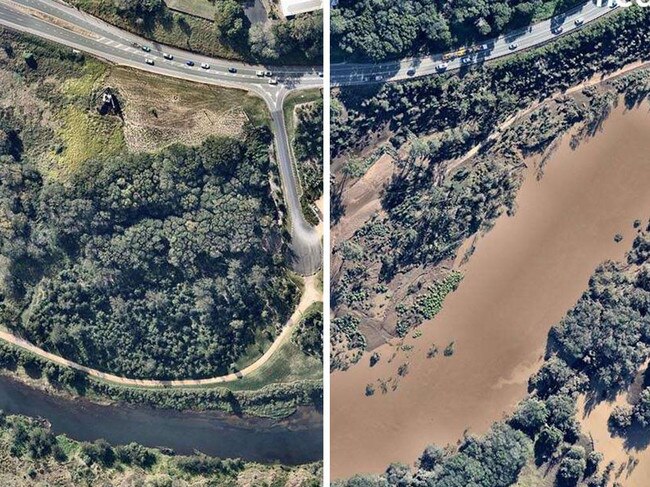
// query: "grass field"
[[85, 136], [198, 8], [174, 28], [288, 364], [160, 111]]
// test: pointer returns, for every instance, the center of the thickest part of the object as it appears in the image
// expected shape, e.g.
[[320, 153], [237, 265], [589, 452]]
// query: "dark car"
[[232, 70], [190, 63]]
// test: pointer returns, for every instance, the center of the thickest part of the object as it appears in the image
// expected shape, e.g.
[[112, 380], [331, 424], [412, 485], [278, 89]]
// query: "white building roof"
[[293, 7]]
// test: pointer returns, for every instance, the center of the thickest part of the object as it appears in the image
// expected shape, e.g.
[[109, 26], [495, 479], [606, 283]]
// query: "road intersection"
[[60, 23]]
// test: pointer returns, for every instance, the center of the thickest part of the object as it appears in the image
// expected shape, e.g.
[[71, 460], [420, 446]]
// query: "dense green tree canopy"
[[148, 265], [380, 29], [230, 20]]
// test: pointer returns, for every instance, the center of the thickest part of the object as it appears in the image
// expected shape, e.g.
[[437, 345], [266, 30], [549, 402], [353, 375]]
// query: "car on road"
[[379, 77], [268, 74], [442, 67], [320, 74], [466, 60], [273, 81], [411, 72], [232, 70], [513, 46], [205, 65], [168, 56], [149, 61], [189, 63], [146, 48], [579, 21], [557, 30], [259, 73]]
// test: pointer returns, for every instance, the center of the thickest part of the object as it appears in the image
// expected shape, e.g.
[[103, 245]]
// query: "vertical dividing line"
[[326, 243]]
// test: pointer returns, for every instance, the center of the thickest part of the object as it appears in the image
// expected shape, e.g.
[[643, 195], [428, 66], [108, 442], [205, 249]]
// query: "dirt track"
[[310, 295]]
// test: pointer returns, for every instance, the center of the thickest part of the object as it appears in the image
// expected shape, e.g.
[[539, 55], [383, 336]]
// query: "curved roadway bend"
[[63, 24], [535, 35]]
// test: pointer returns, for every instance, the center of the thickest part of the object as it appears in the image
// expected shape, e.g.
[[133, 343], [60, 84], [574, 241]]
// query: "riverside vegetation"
[[31, 454], [597, 350], [141, 264], [432, 205]]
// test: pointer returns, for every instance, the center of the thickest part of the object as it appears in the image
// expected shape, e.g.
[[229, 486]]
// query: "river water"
[[299, 440], [523, 277]]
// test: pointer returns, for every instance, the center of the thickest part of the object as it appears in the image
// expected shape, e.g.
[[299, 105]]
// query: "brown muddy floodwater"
[[523, 277], [631, 458]]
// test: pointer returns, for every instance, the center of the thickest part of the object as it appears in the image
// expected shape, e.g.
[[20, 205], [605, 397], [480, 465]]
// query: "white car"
[[466, 60], [442, 66], [273, 81], [579, 21], [149, 62], [205, 65], [513, 46], [259, 74], [379, 77], [168, 56]]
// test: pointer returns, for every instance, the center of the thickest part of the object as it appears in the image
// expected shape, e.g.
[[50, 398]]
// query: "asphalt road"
[[535, 35], [58, 22]]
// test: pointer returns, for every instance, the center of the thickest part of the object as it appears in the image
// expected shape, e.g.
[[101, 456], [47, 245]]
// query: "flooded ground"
[[632, 461], [523, 277]]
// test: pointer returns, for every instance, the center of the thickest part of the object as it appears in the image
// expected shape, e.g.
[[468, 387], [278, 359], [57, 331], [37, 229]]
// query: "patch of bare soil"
[[159, 112]]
